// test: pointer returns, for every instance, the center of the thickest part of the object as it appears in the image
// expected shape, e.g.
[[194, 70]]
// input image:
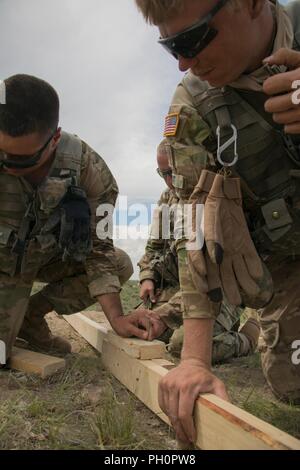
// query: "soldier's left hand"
[[140, 324], [284, 89], [151, 322]]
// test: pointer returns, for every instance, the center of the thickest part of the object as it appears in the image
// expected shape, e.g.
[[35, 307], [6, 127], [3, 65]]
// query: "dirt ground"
[[84, 407]]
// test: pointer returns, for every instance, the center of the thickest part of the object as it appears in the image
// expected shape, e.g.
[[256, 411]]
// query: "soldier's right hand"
[[147, 291], [281, 90], [178, 391]]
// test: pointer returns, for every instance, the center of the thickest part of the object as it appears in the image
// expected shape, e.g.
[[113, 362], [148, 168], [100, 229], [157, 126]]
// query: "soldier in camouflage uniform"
[[241, 55], [159, 284], [51, 184]]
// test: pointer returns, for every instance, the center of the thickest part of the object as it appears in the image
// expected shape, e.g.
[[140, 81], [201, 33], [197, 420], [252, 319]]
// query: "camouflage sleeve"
[[188, 157], [195, 304], [101, 188], [171, 312], [155, 244], [186, 152]]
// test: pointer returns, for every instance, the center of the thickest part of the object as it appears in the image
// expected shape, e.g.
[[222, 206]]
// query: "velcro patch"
[[178, 181], [171, 124]]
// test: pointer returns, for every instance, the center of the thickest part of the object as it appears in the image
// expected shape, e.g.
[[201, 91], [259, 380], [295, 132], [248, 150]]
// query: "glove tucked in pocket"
[[228, 240], [71, 220], [228, 261]]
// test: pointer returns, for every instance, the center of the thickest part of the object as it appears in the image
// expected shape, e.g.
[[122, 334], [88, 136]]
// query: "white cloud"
[[114, 80]]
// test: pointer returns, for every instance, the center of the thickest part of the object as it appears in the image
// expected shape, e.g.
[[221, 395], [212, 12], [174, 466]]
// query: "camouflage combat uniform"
[[71, 285], [269, 167], [159, 264]]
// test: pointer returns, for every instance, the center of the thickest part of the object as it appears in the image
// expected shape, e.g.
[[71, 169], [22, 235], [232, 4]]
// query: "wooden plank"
[[36, 363], [95, 332], [237, 429], [220, 425], [141, 377], [92, 332], [138, 348]]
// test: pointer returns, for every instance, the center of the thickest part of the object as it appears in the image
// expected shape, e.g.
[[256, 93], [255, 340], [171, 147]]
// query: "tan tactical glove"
[[227, 259], [228, 240], [204, 273]]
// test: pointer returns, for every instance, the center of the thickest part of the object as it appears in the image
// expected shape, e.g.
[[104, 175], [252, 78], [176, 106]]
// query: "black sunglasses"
[[193, 40], [164, 173], [23, 161]]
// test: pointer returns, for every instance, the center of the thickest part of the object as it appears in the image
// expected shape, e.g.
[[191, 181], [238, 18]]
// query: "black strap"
[[19, 245]]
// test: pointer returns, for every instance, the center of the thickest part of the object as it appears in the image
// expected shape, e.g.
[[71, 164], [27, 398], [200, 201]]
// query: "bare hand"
[[285, 109], [157, 325], [139, 323], [178, 391], [147, 291]]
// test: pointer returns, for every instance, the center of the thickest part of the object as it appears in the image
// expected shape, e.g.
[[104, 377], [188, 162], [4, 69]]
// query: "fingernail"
[[268, 59]]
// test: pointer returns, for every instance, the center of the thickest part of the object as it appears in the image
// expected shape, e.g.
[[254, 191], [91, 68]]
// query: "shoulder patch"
[[171, 124]]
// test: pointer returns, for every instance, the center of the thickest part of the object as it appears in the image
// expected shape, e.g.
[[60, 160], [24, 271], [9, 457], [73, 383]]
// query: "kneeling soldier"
[[51, 184]]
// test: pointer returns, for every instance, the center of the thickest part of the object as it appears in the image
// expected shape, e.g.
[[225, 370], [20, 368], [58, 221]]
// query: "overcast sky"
[[115, 82]]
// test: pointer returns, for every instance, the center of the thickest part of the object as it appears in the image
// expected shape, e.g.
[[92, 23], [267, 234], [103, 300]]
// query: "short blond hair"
[[157, 11]]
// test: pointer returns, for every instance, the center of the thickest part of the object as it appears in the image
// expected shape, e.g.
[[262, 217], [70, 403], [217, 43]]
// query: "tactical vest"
[[269, 161], [25, 210]]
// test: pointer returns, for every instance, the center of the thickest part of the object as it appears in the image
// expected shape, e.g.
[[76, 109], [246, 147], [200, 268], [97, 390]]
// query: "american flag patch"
[[171, 124]]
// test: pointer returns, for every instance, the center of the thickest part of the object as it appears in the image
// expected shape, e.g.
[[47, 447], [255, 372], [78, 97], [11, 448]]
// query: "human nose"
[[185, 64]]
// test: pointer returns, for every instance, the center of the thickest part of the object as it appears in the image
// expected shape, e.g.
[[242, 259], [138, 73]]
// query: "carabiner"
[[221, 148]]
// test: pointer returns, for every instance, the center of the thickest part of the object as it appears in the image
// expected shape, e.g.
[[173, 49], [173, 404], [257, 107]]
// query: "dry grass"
[[79, 408], [83, 407]]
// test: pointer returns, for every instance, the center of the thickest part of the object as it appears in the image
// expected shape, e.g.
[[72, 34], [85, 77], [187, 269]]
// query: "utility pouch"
[[19, 245], [6, 234], [8, 261], [278, 219], [51, 192], [295, 173]]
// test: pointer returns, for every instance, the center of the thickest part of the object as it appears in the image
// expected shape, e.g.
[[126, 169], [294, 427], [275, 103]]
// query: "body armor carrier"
[[24, 246]]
